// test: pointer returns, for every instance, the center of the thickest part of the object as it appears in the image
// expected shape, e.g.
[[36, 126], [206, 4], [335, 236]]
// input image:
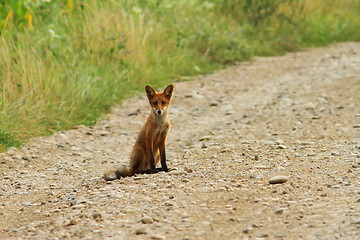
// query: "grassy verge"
[[64, 63]]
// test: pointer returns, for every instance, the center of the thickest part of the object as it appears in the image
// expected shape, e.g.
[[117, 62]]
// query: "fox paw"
[[154, 170]]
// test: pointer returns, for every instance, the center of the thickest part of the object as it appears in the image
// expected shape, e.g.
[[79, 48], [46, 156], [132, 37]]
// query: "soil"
[[296, 117]]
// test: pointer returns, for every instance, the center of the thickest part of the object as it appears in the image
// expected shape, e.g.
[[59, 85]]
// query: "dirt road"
[[296, 116]]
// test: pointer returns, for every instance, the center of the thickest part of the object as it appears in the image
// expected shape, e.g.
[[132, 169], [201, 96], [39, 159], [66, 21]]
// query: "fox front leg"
[[163, 156], [150, 154], [153, 168], [149, 148]]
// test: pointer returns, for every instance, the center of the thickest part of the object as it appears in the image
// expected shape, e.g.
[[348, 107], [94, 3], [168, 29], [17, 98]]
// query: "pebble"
[[177, 172], [27, 204], [88, 148], [11, 151], [96, 215], [57, 210], [72, 222], [78, 206], [26, 157], [60, 145], [158, 237], [6, 160], [263, 235], [5, 177], [257, 200], [278, 179], [279, 211], [256, 225], [133, 113], [110, 177], [169, 203], [247, 230], [81, 126], [261, 167], [188, 170], [141, 230], [204, 138], [280, 235], [355, 221], [335, 154], [147, 220], [104, 133], [203, 146]]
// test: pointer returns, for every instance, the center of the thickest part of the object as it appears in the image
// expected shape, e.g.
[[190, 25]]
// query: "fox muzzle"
[[159, 112]]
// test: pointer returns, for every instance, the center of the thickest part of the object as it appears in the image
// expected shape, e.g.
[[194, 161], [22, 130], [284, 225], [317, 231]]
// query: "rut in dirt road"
[[296, 116]]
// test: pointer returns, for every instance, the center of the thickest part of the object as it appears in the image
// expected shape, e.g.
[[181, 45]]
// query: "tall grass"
[[64, 63]]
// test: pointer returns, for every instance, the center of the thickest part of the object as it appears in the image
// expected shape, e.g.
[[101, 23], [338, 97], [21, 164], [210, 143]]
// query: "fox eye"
[[163, 102], [155, 103]]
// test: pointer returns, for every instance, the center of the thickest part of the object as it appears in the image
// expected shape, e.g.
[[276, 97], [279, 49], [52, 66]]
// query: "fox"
[[149, 147]]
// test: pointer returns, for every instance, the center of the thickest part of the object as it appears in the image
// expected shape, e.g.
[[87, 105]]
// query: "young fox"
[[149, 148]]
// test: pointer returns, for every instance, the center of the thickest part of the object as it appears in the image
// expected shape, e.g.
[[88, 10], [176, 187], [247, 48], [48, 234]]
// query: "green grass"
[[64, 63]]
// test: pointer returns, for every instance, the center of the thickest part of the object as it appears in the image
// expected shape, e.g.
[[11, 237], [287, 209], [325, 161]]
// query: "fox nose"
[[158, 112]]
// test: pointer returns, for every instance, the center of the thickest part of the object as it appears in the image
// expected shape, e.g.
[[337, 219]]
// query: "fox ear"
[[168, 91], [150, 92]]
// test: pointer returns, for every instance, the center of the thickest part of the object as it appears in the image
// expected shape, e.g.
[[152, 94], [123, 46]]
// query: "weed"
[[64, 63], [7, 140]]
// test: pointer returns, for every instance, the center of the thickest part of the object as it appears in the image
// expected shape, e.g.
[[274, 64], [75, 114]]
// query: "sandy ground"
[[296, 116]]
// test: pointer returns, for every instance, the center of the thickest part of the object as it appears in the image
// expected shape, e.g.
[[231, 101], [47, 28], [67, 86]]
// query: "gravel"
[[290, 117]]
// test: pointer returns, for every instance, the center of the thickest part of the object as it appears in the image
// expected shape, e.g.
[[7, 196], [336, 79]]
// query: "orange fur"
[[149, 148]]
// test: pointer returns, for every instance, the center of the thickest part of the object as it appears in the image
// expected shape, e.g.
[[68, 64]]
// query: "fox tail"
[[117, 174]]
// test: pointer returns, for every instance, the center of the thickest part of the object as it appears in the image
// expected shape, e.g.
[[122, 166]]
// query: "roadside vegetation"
[[65, 63]]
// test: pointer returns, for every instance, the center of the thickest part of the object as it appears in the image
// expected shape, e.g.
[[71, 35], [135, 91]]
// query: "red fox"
[[149, 148]]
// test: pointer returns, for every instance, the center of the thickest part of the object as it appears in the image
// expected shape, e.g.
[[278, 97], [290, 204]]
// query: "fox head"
[[159, 101]]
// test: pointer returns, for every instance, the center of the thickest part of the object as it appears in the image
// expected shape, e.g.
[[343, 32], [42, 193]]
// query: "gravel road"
[[294, 117]]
